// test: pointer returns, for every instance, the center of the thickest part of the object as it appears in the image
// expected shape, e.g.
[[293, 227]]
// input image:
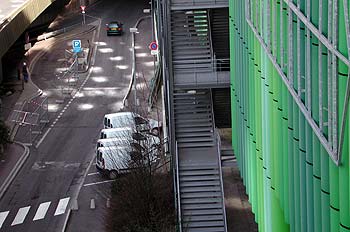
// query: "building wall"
[[292, 183]]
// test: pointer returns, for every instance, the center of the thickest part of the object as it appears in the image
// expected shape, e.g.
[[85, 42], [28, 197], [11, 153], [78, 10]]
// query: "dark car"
[[114, 28]]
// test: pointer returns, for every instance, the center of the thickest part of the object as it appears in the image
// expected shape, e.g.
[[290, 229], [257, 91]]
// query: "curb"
[[15, 170]]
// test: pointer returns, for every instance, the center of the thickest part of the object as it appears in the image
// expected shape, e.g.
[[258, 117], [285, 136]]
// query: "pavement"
[[19, 93]]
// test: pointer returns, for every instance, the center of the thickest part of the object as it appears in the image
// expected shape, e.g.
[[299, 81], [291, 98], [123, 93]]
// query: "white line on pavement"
[[93, 173], [3, 216], [20, 216], [62, 205], [42, 138], [96, 183], [41, 212]]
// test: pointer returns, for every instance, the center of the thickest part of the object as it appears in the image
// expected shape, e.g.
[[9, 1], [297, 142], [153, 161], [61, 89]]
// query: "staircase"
[[201, 198], [191, 49], [199, 172], [193, 119]]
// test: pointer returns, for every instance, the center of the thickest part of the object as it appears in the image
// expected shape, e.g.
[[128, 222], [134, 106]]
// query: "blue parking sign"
[[76, 45]]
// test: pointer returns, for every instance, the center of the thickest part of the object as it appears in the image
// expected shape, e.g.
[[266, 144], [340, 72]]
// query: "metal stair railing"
[[177, 188], [210, 39], [221, 178]]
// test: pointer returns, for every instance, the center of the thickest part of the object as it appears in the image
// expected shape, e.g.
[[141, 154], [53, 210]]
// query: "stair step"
[[198, 195], [200, 183], [204, 206], [190, 225], [191, 56], [207, 125], [204, 166], [200, 129], [199, 106], [202, 212], [197, 218], [209, 229], [201, 200], [194, 122], [199, 172], [198, 134], [192, 110], [194, 145], [178, 93], [198, 178], [185, 118], [201, 189], [202, 48], [191, 140]]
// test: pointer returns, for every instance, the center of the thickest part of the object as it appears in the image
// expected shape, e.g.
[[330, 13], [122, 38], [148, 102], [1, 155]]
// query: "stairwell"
[[191, 49], [200, 180]]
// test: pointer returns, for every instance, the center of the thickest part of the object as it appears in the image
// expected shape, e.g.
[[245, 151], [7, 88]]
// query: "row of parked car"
[[126, 141]]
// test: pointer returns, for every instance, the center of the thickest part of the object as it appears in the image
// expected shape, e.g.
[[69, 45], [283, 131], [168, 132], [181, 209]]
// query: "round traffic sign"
[[153, 46]]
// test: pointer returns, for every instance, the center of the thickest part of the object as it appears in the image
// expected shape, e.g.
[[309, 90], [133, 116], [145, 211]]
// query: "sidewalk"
[[16, 153]]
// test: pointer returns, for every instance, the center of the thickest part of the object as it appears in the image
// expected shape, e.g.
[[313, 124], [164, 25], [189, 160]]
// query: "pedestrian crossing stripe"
[[40, 213]]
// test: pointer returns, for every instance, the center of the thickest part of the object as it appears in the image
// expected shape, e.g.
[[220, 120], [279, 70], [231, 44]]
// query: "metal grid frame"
[[328, 132]]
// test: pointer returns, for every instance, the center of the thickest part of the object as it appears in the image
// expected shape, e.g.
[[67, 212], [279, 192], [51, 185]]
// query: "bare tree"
[[142, 195]]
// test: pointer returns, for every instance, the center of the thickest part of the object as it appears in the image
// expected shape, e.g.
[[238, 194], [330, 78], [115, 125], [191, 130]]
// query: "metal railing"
[[177, 188], [218, 139], [214, 72], [187, 4]]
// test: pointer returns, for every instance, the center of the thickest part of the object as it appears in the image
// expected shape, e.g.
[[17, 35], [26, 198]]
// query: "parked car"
[[114, 28], [116, 160], [131, 119]]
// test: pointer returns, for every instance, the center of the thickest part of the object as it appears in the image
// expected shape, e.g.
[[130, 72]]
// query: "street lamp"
[[133, 30]]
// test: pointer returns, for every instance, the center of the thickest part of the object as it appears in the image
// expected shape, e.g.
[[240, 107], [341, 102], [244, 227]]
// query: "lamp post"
[[133, 30]]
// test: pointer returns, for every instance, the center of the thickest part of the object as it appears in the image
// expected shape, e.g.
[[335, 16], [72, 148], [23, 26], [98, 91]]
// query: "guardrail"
[[177, 188], [221, 178]]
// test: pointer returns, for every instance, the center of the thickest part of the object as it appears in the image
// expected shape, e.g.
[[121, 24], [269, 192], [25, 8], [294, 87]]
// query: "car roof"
[[114, 22], [117, 129]]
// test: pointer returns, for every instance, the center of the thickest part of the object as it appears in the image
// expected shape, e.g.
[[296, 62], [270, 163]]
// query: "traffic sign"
[[76, 45], [153, 45], [82, 9]]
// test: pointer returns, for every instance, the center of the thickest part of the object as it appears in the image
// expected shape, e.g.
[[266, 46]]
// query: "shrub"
[[4, 135]]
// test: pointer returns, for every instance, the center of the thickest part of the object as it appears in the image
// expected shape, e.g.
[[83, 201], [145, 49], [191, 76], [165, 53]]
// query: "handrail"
[[221, 178], [210, 38], [178, 187]]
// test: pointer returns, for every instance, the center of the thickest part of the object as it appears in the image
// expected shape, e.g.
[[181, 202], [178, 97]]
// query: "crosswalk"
[[40, 212]]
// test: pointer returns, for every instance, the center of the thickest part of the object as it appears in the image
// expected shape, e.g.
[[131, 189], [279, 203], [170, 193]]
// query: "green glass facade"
[[290, 121]]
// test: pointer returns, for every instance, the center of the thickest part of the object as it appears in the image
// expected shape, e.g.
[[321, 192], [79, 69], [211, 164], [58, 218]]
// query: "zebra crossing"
[[40, 212]]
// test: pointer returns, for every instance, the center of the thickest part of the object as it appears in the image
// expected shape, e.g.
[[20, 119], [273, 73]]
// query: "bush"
[[142, 203], [4, 135], [143, 198]]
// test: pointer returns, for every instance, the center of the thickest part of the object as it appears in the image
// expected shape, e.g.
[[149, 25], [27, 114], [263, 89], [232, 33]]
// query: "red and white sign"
[[153, 45], [82, 9]]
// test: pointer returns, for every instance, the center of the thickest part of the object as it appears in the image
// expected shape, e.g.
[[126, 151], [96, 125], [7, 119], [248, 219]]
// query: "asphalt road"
[[41, 193]]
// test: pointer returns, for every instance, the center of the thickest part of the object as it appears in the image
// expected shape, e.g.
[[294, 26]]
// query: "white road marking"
[[42, 138], [20, 216], [96, 183], [62, 205], [3, 216], [93, 173], [41, 212]]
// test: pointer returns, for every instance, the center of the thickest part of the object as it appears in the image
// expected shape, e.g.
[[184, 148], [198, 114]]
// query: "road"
[[41, 193]]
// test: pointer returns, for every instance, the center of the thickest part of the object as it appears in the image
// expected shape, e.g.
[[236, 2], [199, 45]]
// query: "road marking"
[[96, 183], [41, 212], [20, 216], [3, 216], [61, 207], [93, 173], [42, 138]]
